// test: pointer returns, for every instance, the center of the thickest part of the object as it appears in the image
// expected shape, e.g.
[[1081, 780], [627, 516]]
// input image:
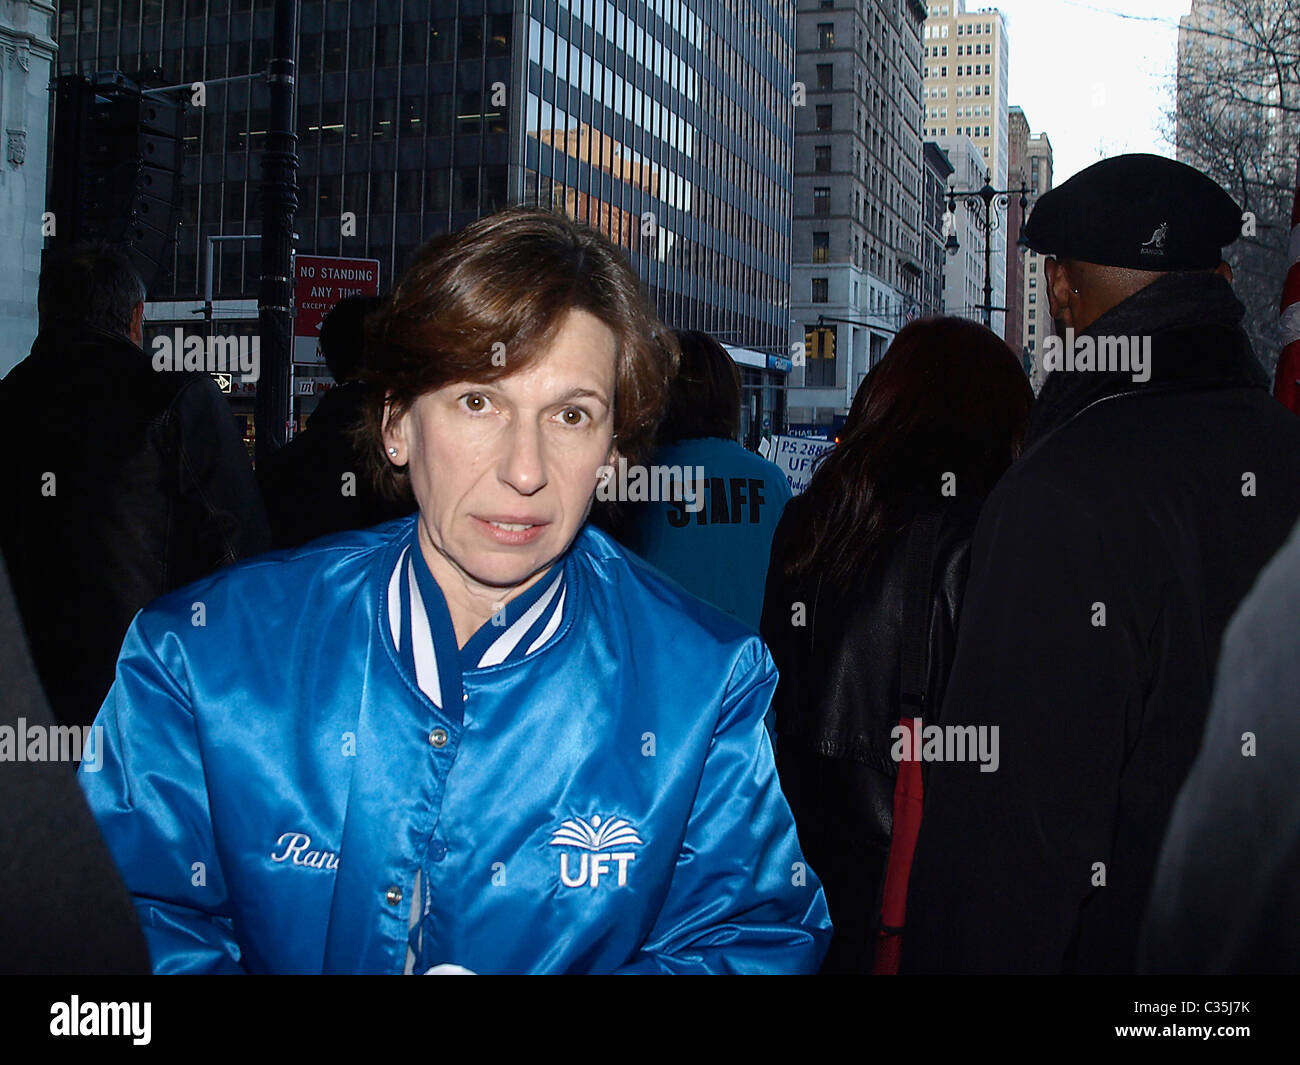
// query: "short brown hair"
[[510, 278]]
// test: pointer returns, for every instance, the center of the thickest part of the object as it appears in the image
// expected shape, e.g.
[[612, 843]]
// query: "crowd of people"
[[1005, 690]]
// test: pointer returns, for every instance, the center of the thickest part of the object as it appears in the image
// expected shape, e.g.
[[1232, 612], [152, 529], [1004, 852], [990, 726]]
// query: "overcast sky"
[[1095, 75]]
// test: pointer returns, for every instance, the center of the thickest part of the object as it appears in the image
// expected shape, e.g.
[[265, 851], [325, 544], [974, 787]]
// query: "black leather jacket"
[[120, 483], [837, 703]]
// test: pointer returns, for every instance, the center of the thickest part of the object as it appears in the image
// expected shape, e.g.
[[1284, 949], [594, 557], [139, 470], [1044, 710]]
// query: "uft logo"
[[590, 838]]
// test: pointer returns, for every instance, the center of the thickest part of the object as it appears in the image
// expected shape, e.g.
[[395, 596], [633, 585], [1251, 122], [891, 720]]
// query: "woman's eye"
[[475, 402], [573, 416]]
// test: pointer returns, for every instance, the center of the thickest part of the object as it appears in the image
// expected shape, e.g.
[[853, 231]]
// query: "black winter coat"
[[837, 703], [120, 483], [1104, 569], [63, 907]]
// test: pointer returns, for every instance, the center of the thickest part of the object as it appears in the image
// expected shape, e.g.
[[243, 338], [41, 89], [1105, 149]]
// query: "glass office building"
[[666, 123]]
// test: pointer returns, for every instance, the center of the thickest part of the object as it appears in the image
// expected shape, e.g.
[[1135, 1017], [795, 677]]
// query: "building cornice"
[[21, 33]]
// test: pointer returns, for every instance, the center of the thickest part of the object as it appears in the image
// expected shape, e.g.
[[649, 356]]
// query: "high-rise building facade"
[[938, 171], [857, 271], [964, 272], [1017, 176], [966, 68], [1038, 316], [668, 124]]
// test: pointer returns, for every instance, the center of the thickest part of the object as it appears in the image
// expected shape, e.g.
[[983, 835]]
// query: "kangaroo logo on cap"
[[1156, 245]]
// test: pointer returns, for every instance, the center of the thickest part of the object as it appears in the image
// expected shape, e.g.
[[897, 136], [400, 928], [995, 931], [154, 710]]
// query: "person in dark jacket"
[[1225, 898], [715, 535], [121, 482], [63, 907], [1159, 477], [315, 484], [931, 430]]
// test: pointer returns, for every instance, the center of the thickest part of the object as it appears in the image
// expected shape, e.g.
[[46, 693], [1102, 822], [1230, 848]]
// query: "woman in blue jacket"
[[483, 736]]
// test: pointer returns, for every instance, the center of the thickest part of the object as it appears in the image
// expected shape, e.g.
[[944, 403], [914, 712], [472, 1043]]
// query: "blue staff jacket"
[[302, 773]]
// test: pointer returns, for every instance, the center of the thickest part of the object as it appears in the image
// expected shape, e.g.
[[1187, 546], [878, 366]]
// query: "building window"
[[1032, 330], [1033, 297], [823, 116], [822, 201], [825, 75], [825, 35], [820, 290], [822, 158], [821, 248]]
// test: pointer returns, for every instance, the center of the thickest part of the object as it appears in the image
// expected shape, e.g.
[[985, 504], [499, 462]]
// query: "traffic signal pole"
[[279, 206]]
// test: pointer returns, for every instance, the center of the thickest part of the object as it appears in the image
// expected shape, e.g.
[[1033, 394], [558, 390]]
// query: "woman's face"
[[504, 472]]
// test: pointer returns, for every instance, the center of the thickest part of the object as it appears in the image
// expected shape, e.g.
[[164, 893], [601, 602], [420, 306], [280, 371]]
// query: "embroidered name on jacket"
[[295, 847], [591, 837]]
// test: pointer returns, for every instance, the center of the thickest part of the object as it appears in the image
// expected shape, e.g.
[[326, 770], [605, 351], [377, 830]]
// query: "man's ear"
[[1059, 289], [1224, 271], [137, 324]]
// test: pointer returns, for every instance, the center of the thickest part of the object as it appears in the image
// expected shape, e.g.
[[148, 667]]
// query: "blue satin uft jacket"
[[301, 773]]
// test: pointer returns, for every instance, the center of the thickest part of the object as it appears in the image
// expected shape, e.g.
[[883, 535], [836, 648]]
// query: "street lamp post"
[[981, 201]]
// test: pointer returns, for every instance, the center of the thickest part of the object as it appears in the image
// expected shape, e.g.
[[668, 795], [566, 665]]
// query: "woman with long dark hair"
[[862, 600]]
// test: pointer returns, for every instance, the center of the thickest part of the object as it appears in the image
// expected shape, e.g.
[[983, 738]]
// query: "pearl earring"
[[392, 451]]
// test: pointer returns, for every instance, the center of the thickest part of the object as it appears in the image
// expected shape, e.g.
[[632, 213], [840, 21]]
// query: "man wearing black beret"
[[1159, 476]]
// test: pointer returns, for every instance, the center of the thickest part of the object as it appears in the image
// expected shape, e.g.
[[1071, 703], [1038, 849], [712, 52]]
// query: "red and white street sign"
[[321, 281]]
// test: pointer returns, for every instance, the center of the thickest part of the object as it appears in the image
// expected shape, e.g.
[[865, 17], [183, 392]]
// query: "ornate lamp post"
[[982, 203]]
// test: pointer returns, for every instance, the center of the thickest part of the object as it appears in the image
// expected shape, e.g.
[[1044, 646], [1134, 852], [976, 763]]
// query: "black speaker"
[[117, 162]]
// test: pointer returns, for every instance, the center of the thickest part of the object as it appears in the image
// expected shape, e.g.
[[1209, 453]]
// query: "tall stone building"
[[964, 273], [857, 273], [27, 54], [1038, 317], [1017, 176], [938, 170], [965, 70]]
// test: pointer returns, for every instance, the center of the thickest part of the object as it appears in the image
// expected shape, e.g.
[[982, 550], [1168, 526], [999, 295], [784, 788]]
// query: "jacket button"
[[438, 737], [393, 895], [437, 850]]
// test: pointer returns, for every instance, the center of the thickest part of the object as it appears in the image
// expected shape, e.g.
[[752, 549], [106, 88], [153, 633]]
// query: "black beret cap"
[[1142, 212]]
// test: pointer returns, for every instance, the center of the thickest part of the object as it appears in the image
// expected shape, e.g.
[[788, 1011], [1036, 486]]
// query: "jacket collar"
[[419, 625], [1194, 322], [60, 339]]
